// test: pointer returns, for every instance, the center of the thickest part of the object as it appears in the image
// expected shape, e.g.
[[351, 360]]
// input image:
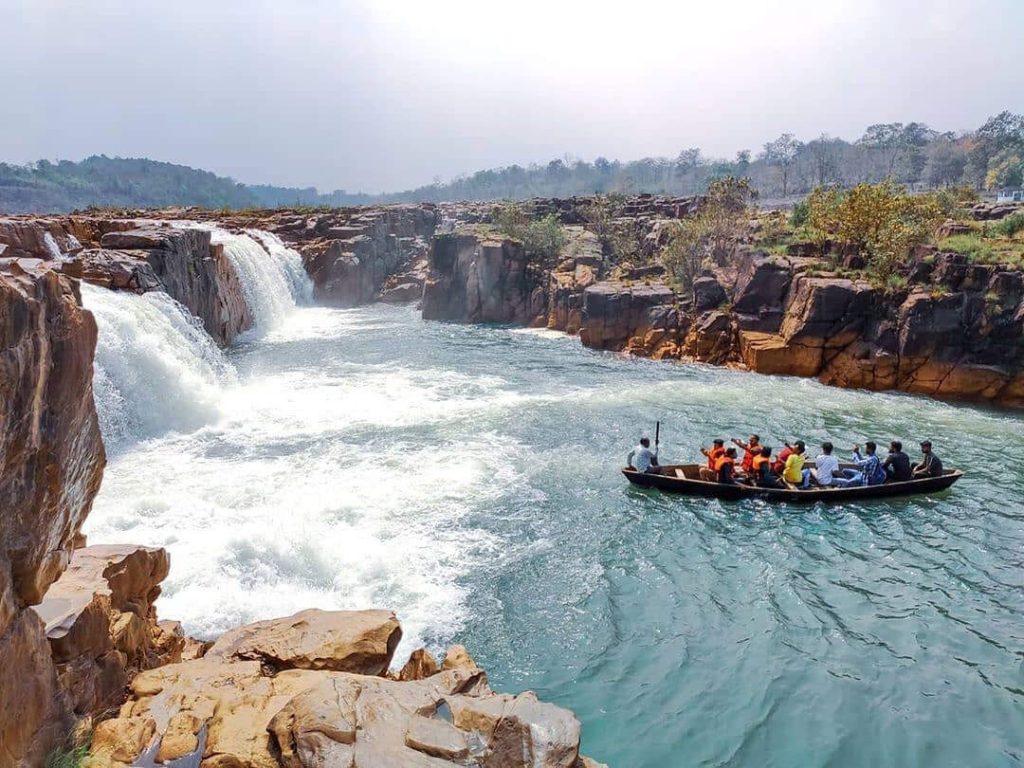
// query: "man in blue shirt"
[[869, 468], [642, 458]]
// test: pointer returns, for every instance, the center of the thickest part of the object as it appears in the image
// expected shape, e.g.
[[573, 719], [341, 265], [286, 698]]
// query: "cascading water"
[[156, 368], [271, 274]]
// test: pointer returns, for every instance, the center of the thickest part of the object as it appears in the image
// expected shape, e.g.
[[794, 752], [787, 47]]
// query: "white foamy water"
[[303, 481], [273, 278], [156, 369], [271, 274]]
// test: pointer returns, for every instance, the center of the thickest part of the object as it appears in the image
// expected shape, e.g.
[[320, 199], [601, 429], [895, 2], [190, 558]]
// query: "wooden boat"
[[685, 478]]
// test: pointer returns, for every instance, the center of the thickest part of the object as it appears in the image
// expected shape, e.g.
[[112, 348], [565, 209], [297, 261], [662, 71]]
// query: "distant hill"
[[990, 157]]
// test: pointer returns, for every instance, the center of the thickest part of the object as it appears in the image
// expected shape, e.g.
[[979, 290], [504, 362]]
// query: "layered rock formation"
[[139, 255], [955, 330], [307, 691], [478, 279], [51, 462], [101, 624]]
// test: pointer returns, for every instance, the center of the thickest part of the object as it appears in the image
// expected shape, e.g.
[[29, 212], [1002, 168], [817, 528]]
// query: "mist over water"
[[467, 477]]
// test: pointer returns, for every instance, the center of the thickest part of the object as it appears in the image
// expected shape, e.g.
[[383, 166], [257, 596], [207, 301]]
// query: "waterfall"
[[271, 274], [156, 368]]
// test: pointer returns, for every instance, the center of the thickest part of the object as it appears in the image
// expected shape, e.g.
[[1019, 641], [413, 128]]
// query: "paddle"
[[657, 436]]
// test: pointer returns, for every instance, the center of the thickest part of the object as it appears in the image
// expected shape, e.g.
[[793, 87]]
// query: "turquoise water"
[[468, 478]]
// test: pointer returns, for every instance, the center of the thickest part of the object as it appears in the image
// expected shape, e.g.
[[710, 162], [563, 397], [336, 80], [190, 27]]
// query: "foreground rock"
[[102, 627], [51, 461], [293, 692]]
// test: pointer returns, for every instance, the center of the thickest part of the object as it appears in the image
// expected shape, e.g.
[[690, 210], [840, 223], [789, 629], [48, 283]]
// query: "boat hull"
[[666, 479]]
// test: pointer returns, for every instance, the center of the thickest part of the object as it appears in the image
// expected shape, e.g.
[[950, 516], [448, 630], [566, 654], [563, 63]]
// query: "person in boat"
[[779, 465], [869, 469], [929, 466], [897, 463], [725, 467], [794, 471], [717, 451], [762, 474], [825, 466], [751, 450], [642, 458]]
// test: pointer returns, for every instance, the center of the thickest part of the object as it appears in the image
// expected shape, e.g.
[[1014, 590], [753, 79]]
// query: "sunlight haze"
[[386, 96]]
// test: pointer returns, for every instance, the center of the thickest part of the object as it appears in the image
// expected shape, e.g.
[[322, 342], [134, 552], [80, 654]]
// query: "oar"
[[657, 436]]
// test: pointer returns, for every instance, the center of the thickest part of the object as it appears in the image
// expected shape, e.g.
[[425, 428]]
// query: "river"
[[467, 478]]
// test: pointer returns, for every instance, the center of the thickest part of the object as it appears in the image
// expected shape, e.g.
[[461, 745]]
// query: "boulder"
[[707, 294], [349, 641]]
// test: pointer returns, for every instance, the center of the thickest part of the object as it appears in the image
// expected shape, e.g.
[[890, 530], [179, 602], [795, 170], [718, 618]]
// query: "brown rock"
[[101, 624], [435, 737], [420, 664], [33, 711], [122, 739], [350, 641]]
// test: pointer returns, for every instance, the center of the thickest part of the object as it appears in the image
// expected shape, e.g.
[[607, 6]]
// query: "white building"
[[1010, 195]]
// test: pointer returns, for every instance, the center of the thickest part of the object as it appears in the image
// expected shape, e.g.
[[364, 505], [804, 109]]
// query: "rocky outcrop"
[[181, 262], [618, 315], [351, 253], [475, 278], [139, 255], [240, 711], [101, 624], [51, 461]]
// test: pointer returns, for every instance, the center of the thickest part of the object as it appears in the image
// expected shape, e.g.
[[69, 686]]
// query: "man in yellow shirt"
[[794, 472]]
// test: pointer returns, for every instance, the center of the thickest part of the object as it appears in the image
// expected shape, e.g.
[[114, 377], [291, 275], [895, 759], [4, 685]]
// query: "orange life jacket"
[[759, 462], [714, 455], [722, 461], [750, 455]]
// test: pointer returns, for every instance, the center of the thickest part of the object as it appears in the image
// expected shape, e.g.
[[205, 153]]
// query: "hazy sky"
[[388, 95]]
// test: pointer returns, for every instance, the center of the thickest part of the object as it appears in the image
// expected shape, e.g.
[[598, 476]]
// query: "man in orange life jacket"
[[710, 472], [751, 450], [725, 467], [762, 469]]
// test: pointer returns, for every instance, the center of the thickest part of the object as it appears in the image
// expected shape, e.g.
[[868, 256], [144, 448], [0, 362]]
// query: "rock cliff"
[[51, 462], [476, 279], [138, 255]]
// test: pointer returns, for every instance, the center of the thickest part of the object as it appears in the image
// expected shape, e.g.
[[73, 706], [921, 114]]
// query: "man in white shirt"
[[642, 458], [825, 465]]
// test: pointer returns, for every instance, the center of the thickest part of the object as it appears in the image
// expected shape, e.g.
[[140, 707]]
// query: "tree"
[[711, 232], [782, 153], [825, 158], [1004, 131]]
